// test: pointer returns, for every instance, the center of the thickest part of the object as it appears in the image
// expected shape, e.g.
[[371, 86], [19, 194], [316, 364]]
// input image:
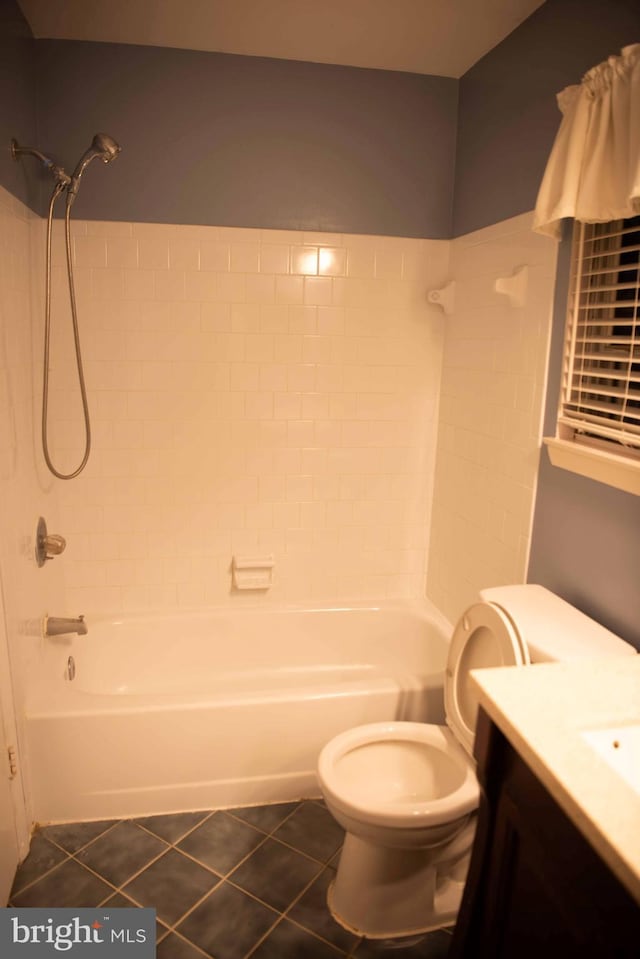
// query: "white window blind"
[[600, 398]]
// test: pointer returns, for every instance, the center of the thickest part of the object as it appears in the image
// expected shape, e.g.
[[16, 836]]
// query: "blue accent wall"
[[211, 138], [17, 99], [586, 535], [586, 547], [508, 117]]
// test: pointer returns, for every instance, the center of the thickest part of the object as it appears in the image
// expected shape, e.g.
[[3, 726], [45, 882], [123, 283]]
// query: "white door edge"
[[13, 787]]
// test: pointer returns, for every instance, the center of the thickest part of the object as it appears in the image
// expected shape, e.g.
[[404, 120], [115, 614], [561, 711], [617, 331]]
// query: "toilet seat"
[[431, 783], [484, 636], [422, 772]]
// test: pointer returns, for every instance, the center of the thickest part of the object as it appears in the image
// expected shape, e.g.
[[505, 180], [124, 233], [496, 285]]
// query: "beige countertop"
[[543, 710]]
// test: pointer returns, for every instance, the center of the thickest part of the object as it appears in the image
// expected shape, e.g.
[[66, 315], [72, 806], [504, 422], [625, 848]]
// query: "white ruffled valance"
[[593, 171]]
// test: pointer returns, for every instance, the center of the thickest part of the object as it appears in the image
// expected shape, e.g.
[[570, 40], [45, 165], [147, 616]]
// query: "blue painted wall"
[[249, 141], [212, 138], [508, 117], [586, 536], [17, 98]]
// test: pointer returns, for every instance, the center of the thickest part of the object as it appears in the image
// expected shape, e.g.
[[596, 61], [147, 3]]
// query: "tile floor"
[[229, 884]]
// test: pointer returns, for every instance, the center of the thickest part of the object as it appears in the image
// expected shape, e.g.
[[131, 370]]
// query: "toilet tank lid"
[[553, 629]]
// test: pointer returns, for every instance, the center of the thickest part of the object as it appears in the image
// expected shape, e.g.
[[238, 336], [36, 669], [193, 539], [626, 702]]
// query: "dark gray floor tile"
[[221, 842], [174, 826], [171, 885], [65, 886], [173, 947], [313, 830], [272, 853], [312, 912], [433, 945], [74, 835], [228, 923], [118, 901], [288, 941], [266, 818], [121, 852], [42, 857], [275, 873]]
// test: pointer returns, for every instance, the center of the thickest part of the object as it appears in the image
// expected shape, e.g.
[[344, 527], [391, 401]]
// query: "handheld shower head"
[[103, 147]]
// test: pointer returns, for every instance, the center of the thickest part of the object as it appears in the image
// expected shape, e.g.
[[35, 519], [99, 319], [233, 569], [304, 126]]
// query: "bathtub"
[[219, 708]]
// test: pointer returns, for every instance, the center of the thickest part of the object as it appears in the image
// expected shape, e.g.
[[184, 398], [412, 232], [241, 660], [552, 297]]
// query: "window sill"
[[599, 465]]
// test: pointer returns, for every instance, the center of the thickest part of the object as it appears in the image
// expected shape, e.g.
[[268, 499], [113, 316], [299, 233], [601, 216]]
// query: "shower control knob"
[[54, 545], [48, 545]]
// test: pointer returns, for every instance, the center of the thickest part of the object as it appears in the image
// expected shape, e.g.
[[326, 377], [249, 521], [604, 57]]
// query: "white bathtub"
[[215, 708]]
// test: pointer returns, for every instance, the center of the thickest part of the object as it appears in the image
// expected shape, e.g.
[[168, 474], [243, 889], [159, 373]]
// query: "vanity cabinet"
[[536, 888]]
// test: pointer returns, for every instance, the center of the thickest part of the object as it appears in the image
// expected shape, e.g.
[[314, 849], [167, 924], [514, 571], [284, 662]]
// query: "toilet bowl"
[[406, 793], [400, 784]]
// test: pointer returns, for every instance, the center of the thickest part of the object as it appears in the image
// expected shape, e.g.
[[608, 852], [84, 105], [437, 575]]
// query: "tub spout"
[[59, 625]]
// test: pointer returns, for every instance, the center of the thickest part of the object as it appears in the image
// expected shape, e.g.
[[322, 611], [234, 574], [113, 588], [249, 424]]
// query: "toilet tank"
[[553, 629]]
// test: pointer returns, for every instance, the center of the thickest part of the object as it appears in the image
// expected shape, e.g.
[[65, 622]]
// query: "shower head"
[[103, 147]]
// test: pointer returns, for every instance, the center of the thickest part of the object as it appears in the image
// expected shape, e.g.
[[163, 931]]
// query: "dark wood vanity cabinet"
[[536, 889]]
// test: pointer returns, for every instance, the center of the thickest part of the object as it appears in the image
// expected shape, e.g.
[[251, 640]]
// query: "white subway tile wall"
[[26, 488], [252, 392], [26, 491], [269, 392], [490, 418]]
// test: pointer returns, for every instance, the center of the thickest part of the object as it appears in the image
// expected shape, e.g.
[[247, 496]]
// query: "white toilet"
[[406, 793]]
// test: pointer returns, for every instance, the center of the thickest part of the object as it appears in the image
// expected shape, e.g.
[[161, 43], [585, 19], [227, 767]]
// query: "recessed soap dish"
[[252, 572]]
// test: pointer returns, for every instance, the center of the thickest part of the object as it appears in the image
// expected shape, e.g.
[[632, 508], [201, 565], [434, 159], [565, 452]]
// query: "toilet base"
[[444, 915], [384, 893]]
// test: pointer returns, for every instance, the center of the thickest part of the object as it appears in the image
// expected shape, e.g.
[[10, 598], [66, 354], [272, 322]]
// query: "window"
[[599, 414]]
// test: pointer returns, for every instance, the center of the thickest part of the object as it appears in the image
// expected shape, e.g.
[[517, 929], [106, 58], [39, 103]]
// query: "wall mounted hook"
[[444, 297], [514, 286]]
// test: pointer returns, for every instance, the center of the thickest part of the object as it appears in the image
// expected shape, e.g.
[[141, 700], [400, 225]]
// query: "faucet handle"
[[54, 545], [48, 545]]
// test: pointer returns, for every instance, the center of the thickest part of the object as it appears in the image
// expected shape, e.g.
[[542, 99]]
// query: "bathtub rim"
[[59, 698]]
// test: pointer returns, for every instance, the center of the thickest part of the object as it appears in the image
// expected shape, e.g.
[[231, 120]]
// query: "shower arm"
[[57, 171]]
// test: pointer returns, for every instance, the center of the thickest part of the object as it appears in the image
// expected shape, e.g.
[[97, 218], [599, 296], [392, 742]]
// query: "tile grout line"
[[171, 928], [284, 913], [301, 926], [227, 878], [283, 917], [169, 845], [179, 935], [221, 878], [69, 855], [120, 887]]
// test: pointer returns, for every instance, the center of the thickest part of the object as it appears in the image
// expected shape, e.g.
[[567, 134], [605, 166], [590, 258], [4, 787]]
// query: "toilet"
[[406, 793]]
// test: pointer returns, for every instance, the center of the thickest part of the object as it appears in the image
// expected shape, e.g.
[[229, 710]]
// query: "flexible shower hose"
[[58, 189]]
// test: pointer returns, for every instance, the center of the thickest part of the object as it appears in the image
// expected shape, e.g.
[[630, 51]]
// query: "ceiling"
[[438, 37]]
